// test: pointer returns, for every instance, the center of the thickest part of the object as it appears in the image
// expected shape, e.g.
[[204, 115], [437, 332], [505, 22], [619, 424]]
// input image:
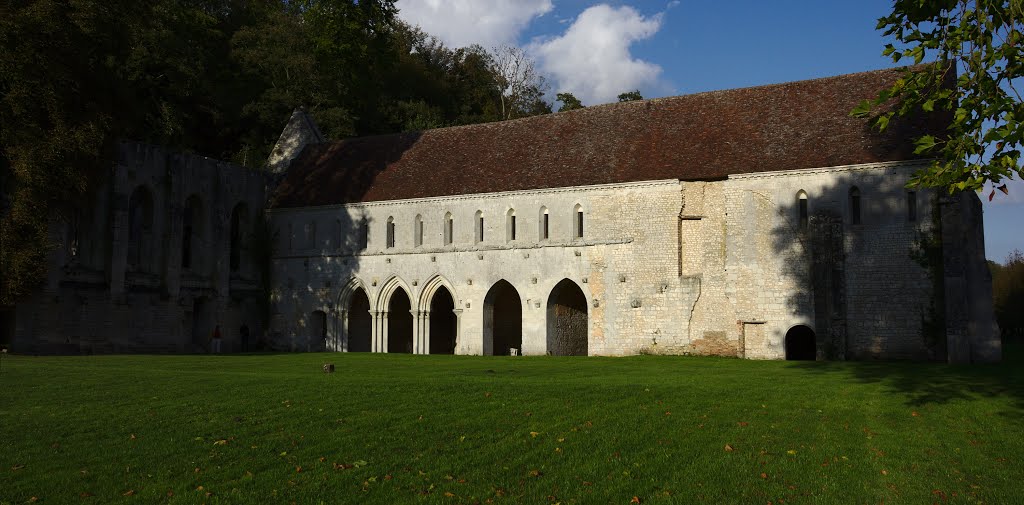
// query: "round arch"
[[568, 324], [801, 344]]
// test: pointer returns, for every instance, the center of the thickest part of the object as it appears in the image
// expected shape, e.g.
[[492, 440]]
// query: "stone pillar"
[[458, 330], [343, 332], [421, 331]]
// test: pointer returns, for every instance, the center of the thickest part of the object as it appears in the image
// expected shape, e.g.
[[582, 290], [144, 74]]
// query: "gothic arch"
[[568, 322], [503, 320], [387, 289], [439, 304]]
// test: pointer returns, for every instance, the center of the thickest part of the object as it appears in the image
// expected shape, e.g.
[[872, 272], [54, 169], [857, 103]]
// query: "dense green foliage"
[[569, 102], [1008, 293], [217, 77], [630, 96], [463, 429], [978, 48]]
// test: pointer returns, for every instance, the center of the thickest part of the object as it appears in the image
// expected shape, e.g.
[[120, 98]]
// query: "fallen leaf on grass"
[[221, 442], [298, 469], [131, 437], [15, 468], [533, 434], [743, 424], [915, 414], [85, 494], [487, 395], [636, 499], [791, 452], [536, 473], [885, 472], [130, 492], [33, 499], [449, 494], [764, 475], [728, 448]]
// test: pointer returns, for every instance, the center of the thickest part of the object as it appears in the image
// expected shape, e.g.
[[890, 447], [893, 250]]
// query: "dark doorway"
[[567, 320], [503, 320], [442, 322], [202, 323], [399, 323], [801, 344], [359, 322]]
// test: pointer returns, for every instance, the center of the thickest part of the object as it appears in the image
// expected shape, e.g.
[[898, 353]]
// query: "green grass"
[[457, 429]]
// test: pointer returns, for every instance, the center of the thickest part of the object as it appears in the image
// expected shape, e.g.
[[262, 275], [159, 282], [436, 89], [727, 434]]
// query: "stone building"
[[762, 223], [165, 253]]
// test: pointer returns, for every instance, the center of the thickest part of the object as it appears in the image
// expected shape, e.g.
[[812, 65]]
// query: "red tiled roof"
[[705, 136]]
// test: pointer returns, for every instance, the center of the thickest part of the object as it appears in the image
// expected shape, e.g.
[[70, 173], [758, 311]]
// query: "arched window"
[[578, 221], [364, 234], [801, 200], [310, 235], [140, 226], [417, 231], [391, 232], [911, 206], [239, 223], [448, 228], [479, 226], [545, 224], [510, 225], [854, 205]]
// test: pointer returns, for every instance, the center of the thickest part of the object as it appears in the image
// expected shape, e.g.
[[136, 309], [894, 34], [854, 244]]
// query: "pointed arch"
[[387, 289], [568, 324], [503, 320]]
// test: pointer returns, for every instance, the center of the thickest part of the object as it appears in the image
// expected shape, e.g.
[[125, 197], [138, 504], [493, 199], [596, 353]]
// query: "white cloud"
[[592, 58], [460, 23]]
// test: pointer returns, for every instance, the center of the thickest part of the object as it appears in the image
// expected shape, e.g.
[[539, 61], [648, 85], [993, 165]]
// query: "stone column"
[[375, 332], [421, 331], [343, 331], [458, 329]]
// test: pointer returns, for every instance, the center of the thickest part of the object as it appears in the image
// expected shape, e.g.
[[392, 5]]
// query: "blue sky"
[[597, 49]]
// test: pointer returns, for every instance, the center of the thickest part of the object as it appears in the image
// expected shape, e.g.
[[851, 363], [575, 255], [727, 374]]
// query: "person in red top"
[[215, 340]]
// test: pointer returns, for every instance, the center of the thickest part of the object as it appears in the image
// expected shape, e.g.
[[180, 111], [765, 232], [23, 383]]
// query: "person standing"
[[215, 340]]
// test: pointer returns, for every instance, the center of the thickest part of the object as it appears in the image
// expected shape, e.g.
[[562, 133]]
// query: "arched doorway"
[[503, 320], [801, 344], [359, 322], [567, 320], [399, 323], [442, 322]]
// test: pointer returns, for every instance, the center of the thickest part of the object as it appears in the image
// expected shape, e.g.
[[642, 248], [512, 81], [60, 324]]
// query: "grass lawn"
[[460, 429]]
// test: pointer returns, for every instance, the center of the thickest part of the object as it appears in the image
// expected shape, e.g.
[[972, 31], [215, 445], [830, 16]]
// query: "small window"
[[417, 230], [911, 206], [545, 224], [802, 203], [448, 228], [391, 233], [364, 235], [479, 226], [855, 205], [578, 228], [510, 225], [310, 232]]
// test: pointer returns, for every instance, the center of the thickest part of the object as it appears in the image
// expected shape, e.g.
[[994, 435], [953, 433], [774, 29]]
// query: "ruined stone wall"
[[110, 288]]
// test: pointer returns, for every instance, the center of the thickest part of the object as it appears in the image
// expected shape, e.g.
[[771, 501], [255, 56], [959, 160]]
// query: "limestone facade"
[[707, 267]]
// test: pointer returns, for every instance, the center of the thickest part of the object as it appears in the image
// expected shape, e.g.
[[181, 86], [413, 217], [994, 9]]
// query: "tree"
[[1008, 293], [520, 85], [569, 102], [975, 78], [630, 96]]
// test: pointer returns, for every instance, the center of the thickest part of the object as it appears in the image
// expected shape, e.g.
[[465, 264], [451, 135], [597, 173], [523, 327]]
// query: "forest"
[[219, 78]]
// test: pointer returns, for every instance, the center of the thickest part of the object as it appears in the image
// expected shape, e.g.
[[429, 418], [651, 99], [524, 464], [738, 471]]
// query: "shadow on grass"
[[933, 383]]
